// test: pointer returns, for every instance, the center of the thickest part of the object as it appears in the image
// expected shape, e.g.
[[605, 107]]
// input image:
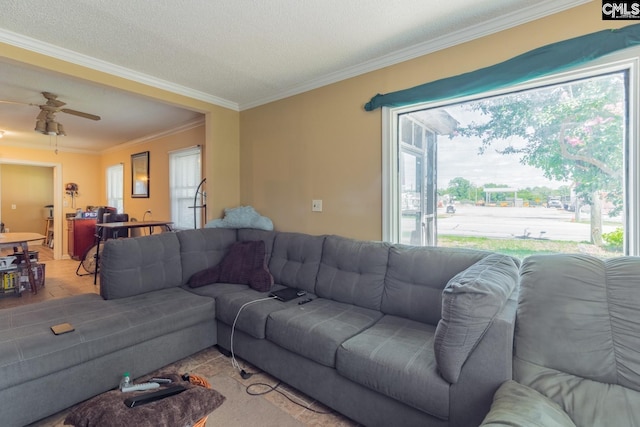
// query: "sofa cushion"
[[591, 305], [395, 357], [517, 405], [244, 264], [315, 330], [470, 302], [203, 248], [416, 276], [577, 338], [295, 260], [352, 271], [587, 402], [249, 310], [137, 265], [29, 350], [214, 290]]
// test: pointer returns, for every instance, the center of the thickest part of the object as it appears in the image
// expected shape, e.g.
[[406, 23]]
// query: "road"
[[505, 222]]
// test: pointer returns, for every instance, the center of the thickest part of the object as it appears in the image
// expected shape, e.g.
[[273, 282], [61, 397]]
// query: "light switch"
[[316, 205], [13, 206]]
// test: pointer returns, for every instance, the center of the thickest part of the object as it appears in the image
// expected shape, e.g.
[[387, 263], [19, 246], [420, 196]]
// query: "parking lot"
[[516, 222]]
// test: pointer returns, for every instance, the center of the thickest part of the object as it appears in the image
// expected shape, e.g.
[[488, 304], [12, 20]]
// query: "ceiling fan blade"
[[80, 114], [14, 102]]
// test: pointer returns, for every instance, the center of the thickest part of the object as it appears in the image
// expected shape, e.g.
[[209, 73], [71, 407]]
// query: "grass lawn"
[[523, 247]]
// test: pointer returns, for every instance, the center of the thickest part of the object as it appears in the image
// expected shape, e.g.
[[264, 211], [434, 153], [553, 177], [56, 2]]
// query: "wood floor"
[[61, 281]]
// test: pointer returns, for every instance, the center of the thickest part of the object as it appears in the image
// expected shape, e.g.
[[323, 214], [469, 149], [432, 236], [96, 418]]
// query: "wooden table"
[[23, 240], [101, 227], [133, 224]]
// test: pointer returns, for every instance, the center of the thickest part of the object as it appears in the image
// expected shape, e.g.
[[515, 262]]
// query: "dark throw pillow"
[[205, 277], [244, 264]]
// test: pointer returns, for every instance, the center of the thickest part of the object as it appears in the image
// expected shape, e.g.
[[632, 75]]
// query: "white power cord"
[[234, 362]]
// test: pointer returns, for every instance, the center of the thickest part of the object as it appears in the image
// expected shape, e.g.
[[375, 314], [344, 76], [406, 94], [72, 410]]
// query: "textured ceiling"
[[235, 53]]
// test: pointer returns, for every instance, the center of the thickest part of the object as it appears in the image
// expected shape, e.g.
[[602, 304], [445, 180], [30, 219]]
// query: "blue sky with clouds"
[[459, 157]]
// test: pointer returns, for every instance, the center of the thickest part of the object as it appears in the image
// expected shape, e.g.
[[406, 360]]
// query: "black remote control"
[[145, 398], [304, 301]]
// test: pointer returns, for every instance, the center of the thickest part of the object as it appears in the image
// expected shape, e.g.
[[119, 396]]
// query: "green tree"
[[460, 188], [572, 132]]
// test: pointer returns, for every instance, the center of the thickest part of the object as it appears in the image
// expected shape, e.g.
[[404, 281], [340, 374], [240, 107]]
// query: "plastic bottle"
[[125, 381]]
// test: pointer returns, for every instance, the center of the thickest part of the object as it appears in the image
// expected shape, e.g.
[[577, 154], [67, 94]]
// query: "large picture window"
[[550, 166]]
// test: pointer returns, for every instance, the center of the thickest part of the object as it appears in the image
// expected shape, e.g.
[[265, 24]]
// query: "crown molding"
[[44, 48], [47, 147], [501, 23], [60, 147], [182, 128]]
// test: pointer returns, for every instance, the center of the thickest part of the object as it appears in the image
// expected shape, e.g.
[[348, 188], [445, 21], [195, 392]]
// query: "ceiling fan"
[[46, 121]]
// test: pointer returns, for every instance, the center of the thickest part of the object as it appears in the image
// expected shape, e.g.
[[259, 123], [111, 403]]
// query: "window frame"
[[626, 60], [177, 224]]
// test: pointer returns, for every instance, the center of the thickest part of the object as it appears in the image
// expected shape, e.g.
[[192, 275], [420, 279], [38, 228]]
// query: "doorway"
[[38, 211]]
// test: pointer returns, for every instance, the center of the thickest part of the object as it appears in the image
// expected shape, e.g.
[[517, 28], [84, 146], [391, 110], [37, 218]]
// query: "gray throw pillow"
[[470, 301]]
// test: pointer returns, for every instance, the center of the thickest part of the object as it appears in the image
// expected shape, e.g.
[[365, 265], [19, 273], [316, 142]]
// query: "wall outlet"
[[316, 205]]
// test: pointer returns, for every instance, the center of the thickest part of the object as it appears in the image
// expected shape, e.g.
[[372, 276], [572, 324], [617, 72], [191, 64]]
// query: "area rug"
[[242, 409]]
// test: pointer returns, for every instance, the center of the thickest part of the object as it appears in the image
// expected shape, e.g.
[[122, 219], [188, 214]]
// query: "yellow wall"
[[88, 171], [316, 145], [323, 145], [221, 136], [24, 191], [158, 201]]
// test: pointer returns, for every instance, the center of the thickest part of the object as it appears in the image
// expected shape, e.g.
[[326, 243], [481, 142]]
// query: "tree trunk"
[[596, 219]]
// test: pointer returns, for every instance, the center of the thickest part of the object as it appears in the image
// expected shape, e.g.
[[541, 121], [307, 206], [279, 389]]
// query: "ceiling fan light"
[[52, 128], [41, 126], [61, 131]]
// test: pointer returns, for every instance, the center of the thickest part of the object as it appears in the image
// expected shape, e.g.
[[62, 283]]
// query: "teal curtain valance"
[[535, 63]]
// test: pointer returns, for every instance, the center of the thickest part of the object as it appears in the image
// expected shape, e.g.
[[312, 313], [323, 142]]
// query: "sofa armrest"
[[471, 301], [517, 405], [487, 367]]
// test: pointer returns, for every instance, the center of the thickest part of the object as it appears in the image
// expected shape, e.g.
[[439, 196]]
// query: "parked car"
[[451, 208], [555, 204]]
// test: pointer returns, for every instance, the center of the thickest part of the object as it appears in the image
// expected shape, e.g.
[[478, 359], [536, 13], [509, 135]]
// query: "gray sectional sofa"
[[394, 335], [577, 345]]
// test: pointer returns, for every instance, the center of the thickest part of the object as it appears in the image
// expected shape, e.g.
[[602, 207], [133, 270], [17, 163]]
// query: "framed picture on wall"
[[140, 174]]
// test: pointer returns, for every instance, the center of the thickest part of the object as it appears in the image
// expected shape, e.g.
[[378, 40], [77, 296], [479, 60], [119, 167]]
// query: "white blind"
[[184, 178], [115, 187]]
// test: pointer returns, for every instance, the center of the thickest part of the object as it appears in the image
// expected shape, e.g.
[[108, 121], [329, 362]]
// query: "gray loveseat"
[[394, 335], [577, 345]]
